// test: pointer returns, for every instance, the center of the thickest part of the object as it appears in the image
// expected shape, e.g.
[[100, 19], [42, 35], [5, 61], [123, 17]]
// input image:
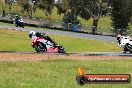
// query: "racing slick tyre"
[[40, 47], [61, 49], [16, 25], [128, 47], [22, 25]]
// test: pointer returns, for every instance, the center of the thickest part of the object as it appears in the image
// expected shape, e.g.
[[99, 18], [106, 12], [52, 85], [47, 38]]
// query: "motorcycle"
[[125, 42], [43, 45], [18, 23]]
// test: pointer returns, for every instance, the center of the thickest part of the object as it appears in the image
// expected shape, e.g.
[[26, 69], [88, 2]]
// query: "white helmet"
[[31, 33]]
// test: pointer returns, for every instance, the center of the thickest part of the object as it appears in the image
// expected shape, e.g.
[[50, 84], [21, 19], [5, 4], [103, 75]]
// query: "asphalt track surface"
[[50, 31], [78, 35], [77, 54]]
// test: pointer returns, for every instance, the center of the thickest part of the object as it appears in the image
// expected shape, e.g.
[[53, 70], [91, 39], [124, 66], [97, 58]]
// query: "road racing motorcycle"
[[43, 45], [18, 23], [126, 43]]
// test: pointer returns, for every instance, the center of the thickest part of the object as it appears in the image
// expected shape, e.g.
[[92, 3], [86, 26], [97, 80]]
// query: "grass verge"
[[60, 73], [12, 40]]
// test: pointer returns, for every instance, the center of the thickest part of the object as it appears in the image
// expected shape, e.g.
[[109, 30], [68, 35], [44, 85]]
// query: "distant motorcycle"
[[43, 45], [125, 43], [18, 23]]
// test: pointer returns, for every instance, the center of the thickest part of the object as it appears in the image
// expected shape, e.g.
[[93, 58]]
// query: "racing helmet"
[[31, 33], [17, 16]]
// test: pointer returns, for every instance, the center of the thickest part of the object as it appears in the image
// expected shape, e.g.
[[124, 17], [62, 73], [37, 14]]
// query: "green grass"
[[14, 41], [19, 41], [85, 45], [59, 73], [104, 24], [53, 16], [2, 23]]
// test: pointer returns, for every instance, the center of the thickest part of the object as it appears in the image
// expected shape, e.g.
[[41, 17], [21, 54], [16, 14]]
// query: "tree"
[[89, 8], [3, 8], [121, 15], [27, 7], [46, 6], [30, 6], [70, 18], [62, 6], [9, 3], [99, 8]]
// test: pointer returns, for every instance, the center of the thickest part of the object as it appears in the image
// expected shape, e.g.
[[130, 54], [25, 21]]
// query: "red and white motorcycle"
[[43, 45]]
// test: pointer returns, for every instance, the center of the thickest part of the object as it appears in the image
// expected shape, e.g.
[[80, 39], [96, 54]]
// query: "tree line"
[[120, 11]]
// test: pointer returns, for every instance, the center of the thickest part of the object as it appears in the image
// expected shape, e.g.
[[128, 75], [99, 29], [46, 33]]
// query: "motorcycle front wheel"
[[40, 47], [128, 47], [61, 49]]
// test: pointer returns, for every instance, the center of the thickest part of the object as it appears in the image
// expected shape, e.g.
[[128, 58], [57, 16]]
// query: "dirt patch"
[[39, 57]]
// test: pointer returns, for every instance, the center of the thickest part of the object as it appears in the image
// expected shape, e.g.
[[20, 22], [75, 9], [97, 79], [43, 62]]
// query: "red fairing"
[[49, 46], [35, 41], [53, 50]]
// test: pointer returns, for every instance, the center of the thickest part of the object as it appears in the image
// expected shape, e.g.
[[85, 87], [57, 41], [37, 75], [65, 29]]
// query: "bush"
[[121, 14]]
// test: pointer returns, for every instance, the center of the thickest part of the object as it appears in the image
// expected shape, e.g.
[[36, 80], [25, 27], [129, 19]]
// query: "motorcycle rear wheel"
[[40, 47]]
